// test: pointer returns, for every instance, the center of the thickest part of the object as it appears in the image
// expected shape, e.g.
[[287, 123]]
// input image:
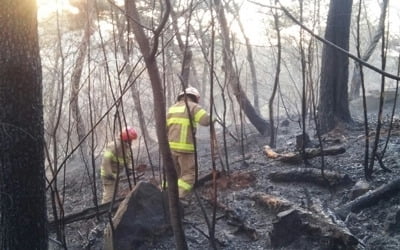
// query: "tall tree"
[[250, 59], [259, 123], [333, 100], [149, 53], [183, 46], [88, 9], [356, 78], [134, 89], [22, 181]]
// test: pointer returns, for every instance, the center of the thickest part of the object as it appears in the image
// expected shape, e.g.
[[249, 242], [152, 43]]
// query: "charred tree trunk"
[[334, 105], [233, 80], [250, 59], [159, 114], [276, 81], [184, 48], [375, 144], [134, 89], [23, 223], [55, 103], [75, 83]]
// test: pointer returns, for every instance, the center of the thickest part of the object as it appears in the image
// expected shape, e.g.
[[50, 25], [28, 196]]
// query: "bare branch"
[[354, 57]]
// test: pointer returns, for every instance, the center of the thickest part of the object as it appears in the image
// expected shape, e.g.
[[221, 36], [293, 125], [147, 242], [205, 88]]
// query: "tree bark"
[[160, 115], [272, 203], [250, 60], [369, 199], [333, 103], [311, 175], [185, 50], [22, 186], [296, 157], [295, 223], [134, 88], [259, 123], [276, 81], [75, 82]]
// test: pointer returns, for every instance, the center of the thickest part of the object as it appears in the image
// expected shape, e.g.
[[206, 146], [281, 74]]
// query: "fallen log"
[[271, 202], [105, 208], [369, 199], [313, 175], [296, 157], [86, 214], [292, 222]]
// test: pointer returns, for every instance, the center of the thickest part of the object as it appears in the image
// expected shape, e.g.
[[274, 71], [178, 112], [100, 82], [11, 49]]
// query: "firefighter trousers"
[[185, 168]]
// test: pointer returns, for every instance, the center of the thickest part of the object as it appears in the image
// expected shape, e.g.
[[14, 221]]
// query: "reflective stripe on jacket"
[[184, 185], [113, 158], [180, 134]]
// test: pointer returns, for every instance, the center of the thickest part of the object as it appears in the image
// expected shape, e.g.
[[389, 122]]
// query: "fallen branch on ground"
[[313, 175], [271, 202], [104, 208], [293, 222], [369, 199], [86, 214], [296, 157]]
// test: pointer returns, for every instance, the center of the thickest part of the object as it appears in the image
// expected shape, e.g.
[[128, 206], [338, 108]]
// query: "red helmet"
[[129, 134]]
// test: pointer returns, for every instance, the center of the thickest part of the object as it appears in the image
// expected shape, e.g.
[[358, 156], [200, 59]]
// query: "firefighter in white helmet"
[[180, 135], [116, 156]]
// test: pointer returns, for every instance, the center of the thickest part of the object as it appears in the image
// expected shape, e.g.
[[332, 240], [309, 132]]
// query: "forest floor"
[[249, 170]]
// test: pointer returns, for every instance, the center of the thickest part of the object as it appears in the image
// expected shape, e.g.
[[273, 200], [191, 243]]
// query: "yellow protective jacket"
[[113, 158], [179, 130]]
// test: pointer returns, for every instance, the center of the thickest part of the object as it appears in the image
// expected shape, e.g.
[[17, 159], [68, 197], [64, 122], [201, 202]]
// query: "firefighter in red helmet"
[[116, 156]]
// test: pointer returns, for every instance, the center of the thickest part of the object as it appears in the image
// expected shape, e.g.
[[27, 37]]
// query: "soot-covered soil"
[[377, 227]]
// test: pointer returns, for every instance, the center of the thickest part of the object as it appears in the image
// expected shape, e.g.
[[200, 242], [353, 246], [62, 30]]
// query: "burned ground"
[[241, 222]]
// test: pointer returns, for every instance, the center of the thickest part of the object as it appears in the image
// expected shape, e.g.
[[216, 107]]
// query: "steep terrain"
[[243, 223]]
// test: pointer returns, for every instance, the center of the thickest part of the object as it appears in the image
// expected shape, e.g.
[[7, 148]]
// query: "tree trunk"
[[75, 82], [250, 60], [134, 88], [259, 123], [22, 185], [185, 50], [276, 81], [160, 116], [334, 105], [356, 78]]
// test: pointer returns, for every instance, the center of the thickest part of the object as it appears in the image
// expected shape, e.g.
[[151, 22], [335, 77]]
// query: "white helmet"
[[190, 91]]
